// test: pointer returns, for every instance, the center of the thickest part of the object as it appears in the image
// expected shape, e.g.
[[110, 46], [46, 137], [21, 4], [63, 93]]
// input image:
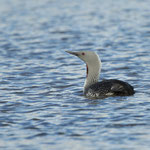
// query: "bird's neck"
[[93, 72]]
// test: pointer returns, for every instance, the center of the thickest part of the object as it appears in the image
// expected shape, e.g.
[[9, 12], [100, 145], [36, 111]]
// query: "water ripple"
[[42, 104]]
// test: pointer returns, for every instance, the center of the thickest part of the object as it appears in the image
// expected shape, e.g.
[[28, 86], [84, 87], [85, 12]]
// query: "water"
[[41, 101]]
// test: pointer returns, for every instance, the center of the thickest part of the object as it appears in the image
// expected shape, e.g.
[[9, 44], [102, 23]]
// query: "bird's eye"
[[83, 53]]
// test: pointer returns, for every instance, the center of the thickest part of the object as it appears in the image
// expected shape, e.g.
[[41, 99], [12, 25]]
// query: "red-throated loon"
[[95, 89]]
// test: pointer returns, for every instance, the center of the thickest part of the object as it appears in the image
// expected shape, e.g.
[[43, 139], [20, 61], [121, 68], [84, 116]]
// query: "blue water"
[[41, 101]]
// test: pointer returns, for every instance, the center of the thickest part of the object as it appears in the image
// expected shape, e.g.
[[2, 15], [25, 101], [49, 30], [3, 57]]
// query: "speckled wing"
[[109, 88]]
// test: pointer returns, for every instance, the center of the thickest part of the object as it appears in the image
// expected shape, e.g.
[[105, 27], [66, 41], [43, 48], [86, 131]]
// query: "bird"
[[92, 87]]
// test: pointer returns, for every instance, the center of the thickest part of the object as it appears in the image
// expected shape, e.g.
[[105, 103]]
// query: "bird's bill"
[[73, 53]]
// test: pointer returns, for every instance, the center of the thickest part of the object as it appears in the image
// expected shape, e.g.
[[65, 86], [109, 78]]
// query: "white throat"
[[93, 72]]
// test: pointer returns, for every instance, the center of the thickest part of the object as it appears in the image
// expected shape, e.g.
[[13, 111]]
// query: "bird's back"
[[111, 87]]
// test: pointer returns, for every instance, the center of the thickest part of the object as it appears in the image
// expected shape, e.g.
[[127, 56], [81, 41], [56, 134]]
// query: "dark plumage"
[[110, 87]]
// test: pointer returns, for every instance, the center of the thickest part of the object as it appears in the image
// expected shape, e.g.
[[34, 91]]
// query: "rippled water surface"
[[41, 101]]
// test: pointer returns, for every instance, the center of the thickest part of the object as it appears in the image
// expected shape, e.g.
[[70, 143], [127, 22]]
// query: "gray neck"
[[93, 72]]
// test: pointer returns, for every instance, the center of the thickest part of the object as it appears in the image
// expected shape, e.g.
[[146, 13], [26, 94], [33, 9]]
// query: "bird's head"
[[93, 65], [87, 56]]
